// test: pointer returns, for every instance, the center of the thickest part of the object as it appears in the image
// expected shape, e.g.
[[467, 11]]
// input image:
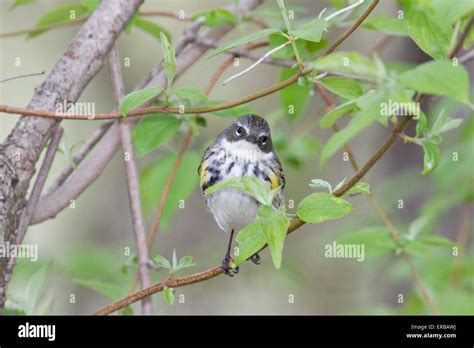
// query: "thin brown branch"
[[352, 28], [22, 76], [467, 57], [131, 172], [214, 271]]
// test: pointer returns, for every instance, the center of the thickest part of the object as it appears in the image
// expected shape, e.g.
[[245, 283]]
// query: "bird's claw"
[[255, 259], [228, 270]]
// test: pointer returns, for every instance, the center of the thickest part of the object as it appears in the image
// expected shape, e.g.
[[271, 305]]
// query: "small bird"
[[243, 149]]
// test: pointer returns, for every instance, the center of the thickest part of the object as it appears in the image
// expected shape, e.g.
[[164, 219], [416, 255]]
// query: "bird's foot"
[[255, 259], [226, 267]]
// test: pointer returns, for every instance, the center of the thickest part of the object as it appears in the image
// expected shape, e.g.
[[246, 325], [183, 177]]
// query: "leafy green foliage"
[[439, 78], [348, 62], [376, 240], [234, 112], [242, 41], [137, 98], [190, 96], [369, 112], [294, 97], [343, 109], [58, 16], [385, 24], [428, 34], [322, 206], [154, 130], [91, 5], [311, 31], [297, 151], [169, 64], [168, 295], [274, 225], [151, 28], [251, 185], [107, 289], [344, 87], [361, 188], [175, 265], [216, 17], [153, 179]]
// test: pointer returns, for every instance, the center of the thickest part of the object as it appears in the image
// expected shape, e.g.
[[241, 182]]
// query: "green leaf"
[[450, 11], [169, 63], [109, 290], [152, 131], [35, 288], [58, 16], [216, 18], [151, 28], [421, 124], [153, 179], [186, 261], [376, 240], [322, 206], [369, 112], [305, 48], [175, 259], [299, 149], [135, 99], [348, 62], [319, 183], [192, 95], [385, 24], [361, 188], [251, 240], [332, 116], [342, 86], [251, 185], [91, 5], [431, 156], [311, 31], [20, 3], [168, 295], [161, 261], [444, 124], [128, 28], [243, 40], [438, 241], [294, 97], [428, 34], [439, 78], [274, 225]]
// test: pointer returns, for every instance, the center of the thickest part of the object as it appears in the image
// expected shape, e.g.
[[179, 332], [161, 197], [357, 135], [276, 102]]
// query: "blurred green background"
[[86, 245]]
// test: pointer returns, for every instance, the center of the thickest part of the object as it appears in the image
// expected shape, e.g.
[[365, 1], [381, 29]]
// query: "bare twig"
[[132, 181], [455, 49], [467, 57], [22, 76]]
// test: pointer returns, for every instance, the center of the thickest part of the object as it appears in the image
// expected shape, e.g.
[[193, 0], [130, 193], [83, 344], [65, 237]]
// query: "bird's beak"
[[252, 139]]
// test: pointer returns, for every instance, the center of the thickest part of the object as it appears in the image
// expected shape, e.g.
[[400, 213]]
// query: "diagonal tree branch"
[[132, 175], [21, 150]]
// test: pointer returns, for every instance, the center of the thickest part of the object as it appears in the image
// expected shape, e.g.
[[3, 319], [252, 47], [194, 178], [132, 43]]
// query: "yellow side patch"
[[275, 181], [202, 174]]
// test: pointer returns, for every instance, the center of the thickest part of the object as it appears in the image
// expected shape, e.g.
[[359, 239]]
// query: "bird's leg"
[[255, 258], [225, 263]]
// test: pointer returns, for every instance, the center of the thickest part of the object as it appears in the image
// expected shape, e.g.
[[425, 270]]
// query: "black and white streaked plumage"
[[243, 149]]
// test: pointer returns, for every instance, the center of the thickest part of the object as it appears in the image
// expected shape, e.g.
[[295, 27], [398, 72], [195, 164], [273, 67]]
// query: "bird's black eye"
[[239, 131], [263, 140]]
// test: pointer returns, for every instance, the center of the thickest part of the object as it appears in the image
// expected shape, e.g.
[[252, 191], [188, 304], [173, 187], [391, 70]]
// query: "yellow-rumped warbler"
[[243, 149]]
